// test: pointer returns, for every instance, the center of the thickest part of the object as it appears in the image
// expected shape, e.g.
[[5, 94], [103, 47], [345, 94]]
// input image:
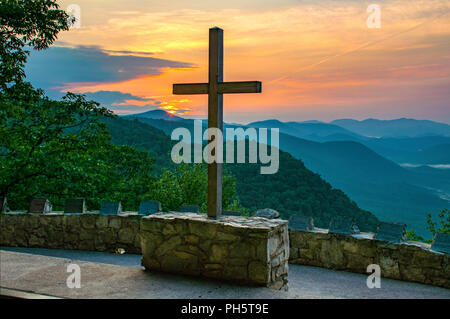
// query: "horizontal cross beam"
[[240, 87], [191, 88], [222, 88]]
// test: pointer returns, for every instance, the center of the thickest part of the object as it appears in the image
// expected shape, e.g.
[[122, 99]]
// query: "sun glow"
[[316, 59]]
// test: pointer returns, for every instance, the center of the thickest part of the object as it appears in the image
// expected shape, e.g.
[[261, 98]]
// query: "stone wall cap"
[[92, 212], [125, 214], [319, 230], [53, 213], [24, 212], [61, 213], [314, 230], [417, 244], [364, 235], [16, 212], [234, 221]]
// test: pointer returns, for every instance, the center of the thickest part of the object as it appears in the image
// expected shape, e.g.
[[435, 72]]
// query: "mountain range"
[[424, 149], [293, 190], [156, 115], [370, 170], [394, 128]]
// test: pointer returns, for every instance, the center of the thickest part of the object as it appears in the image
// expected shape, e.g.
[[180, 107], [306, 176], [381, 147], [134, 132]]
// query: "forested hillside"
[[293, 190], [140, 135]]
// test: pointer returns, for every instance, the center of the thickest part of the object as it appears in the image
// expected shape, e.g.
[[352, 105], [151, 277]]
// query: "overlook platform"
[[104, 275]]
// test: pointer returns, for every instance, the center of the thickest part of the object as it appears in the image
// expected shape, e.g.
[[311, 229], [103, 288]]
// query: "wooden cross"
[[215, 89]]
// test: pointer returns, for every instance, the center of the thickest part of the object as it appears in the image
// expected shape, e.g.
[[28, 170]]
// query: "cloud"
[[328, 62], [123, 102], [126, 52], [116, 101], [58, 66], [115, 97]]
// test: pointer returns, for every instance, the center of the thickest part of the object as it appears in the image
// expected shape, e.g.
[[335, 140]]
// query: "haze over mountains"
[[419, 148], [293, 190], [394, 128], [383, 174], [157, 115]]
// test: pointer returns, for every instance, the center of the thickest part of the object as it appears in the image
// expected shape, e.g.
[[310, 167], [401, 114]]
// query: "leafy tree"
[[37, 134], [56, 149], [26, 23], [441, 226], [125, 174], [413, 236], [188, 184], [61, 149], [143, 137]]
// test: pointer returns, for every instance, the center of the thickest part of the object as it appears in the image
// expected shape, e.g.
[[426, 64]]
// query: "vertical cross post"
[[215, 118], [215, 88]]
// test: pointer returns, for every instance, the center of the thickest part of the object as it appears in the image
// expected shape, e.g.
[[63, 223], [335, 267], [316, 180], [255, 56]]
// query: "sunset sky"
[[317, 59]]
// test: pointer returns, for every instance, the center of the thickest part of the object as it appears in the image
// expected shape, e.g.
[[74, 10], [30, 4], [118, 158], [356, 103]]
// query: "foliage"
[[56, 149], [23, 24], [441, 226], [175, 185], [188, 184], [62, 149], [35, 133], [143, 137], [411, 235]]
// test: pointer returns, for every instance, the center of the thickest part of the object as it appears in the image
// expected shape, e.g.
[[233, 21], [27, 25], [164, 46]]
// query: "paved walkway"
[[103, 275]]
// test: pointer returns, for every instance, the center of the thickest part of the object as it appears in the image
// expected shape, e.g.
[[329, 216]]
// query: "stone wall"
[[409, 261], [243, 250], [89, 231]]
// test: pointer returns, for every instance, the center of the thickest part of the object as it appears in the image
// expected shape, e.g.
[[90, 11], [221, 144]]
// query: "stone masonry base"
[[252, 251]]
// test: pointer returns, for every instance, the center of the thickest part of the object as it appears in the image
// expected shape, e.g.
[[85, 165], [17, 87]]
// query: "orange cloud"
[[316, 53]]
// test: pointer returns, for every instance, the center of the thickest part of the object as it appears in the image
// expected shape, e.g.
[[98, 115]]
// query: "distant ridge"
[[308, 130], [343, 159], [155, 115], [402, 127]]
